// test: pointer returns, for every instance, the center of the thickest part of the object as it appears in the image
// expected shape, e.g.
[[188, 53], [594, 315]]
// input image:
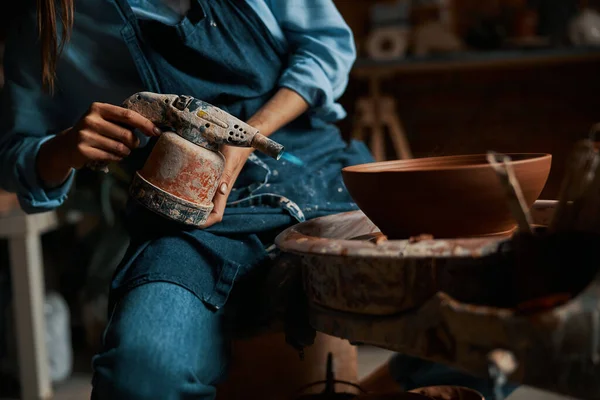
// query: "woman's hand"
[[104, 134], [285, 106], [235, 159]]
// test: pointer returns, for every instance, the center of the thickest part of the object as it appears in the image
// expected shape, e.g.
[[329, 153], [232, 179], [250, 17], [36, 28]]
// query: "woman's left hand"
[[235, 159], [284, 107]]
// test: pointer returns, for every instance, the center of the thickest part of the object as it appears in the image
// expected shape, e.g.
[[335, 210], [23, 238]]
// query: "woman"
[[279, 65]]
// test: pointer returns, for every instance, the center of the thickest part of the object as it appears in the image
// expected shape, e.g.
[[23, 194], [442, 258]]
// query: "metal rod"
[[516, 201]]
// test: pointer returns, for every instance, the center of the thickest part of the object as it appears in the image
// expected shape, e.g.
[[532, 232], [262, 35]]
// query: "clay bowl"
[[393, 396], [447, 197], [449, 393]]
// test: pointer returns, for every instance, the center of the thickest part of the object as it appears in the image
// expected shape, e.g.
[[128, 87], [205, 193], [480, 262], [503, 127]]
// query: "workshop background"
[[434, 77]]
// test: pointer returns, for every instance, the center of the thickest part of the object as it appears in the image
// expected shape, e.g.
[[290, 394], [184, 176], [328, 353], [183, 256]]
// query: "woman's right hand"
[[104, 134]]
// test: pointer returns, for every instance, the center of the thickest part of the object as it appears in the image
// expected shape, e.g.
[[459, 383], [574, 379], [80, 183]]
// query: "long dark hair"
[[48, 12]]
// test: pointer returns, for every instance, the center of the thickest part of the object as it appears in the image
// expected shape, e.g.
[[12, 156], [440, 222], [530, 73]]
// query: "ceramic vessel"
[[179, 180], [393, 396], [449, 393], [447, 197]]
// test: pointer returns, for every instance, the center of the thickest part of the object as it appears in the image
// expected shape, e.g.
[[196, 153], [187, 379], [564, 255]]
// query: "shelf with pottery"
[[366, 68]]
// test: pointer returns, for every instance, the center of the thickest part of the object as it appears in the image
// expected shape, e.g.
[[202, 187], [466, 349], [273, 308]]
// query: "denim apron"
[[221, 52]]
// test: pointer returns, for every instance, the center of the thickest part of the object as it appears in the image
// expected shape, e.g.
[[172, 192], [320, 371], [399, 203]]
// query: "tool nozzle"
[[267, 146]]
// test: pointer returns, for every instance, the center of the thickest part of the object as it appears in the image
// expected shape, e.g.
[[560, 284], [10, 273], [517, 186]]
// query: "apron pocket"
[[223, 286]]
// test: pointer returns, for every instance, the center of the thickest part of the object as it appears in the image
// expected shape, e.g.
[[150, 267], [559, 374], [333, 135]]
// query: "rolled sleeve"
[[28, 118], [32, 196], [322, 52]]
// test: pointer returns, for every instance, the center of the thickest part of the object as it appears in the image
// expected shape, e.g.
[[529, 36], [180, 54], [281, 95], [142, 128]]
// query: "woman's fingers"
[[220, 202], [125, 116], [101, 155], [105, 134], [88, 153], [118, 133], [236, 159], [107, 144], [216, 215]]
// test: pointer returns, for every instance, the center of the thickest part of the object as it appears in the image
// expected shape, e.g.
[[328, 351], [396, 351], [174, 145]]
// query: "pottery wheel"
[[437, 299]]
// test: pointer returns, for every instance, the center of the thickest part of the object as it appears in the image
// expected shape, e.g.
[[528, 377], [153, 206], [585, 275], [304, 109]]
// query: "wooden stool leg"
[[378, 137], [375, 113], [363, 118], [367, 119], [378, 143], [396, 129], [28, 299]]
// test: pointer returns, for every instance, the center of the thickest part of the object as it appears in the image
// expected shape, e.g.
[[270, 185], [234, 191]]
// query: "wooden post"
[[377, 137], [376, 112]]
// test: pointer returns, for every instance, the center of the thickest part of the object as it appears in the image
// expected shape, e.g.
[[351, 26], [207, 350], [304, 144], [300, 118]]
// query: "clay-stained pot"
[[179, 180], [184, 170], [393, 396], [447, 197], [448, 393]]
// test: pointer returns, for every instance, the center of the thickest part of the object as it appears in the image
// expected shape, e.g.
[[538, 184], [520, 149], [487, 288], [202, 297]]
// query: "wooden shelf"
[[367, 68]]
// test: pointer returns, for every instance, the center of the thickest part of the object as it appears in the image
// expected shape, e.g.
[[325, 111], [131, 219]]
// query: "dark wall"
[[9, 9]]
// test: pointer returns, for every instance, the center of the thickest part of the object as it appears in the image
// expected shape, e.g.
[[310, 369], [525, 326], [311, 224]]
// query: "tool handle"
[[501, 164], [267, 146]]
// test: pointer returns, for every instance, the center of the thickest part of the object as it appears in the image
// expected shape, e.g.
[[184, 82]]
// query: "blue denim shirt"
[[96, 66]]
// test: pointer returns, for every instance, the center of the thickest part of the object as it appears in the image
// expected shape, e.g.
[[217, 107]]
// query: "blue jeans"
[[163, 343]]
